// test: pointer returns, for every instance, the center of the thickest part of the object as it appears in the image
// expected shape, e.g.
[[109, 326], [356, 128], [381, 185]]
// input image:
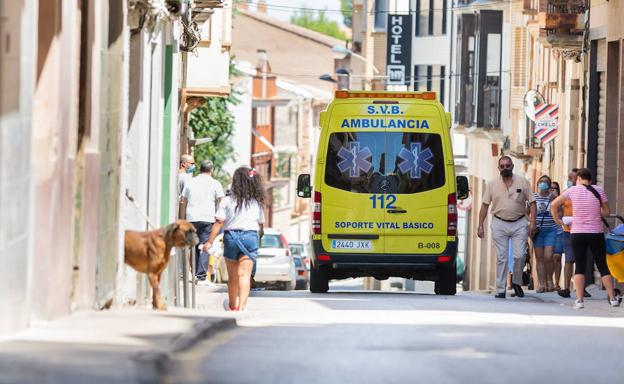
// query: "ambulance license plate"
[[352, 244]]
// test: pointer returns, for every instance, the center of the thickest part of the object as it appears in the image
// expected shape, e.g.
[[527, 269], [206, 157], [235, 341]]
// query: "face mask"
[[569, 184], [506, 172], [543, 187], [190, 169]]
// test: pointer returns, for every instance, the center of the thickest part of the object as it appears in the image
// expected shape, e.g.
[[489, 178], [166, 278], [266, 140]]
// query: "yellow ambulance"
[[384, 190]]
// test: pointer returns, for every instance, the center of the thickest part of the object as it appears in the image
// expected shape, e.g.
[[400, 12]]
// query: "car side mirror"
[[462, 187], [304, 189]]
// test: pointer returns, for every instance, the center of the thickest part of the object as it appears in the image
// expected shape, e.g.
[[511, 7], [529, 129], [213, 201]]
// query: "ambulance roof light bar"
[[343, 94]]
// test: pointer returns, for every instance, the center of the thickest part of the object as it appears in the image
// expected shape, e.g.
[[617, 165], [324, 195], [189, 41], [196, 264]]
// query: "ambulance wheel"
[[447, 281], [319, 280]]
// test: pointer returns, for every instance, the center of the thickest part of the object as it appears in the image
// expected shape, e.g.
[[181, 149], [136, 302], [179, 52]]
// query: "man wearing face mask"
[[185, 172], [508, 194]]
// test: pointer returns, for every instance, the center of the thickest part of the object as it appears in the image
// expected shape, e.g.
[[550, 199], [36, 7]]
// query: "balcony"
[[561, 23]]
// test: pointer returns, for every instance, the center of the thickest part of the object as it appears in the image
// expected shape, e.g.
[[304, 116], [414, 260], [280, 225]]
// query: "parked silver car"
[[275, 264]]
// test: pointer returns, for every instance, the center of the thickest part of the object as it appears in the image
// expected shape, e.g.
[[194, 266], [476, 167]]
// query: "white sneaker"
[[203, 283], [578, 304], [615, 302]]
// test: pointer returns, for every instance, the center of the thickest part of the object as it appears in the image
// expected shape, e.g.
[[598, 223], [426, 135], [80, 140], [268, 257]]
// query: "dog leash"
[[147, 219]]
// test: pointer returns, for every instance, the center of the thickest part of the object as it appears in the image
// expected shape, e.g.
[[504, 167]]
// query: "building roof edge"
[[294, 29]]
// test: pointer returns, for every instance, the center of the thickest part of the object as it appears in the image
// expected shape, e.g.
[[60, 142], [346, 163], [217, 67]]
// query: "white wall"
[[143, 165], [17, 74], [241, 139], [431, 50], [208, 66]]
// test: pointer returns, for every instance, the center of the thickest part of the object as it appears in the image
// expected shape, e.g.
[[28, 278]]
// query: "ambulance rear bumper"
[[418, 266]]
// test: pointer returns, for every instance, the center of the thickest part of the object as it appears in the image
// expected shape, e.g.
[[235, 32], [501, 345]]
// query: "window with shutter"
[[520, 57]]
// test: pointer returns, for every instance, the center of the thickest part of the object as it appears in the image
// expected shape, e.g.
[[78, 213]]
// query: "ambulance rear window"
[[385, 162]]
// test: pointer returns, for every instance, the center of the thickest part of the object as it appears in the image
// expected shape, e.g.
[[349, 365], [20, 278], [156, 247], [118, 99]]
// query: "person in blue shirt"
[[544, 240]]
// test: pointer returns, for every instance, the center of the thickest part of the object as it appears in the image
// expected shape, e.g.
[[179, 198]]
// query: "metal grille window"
[[420, 78], [431, 17], [479, 58], [430, 78], [263, 116]]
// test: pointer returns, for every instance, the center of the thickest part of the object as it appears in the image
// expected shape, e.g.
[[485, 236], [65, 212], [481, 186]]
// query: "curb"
[[153, 366]]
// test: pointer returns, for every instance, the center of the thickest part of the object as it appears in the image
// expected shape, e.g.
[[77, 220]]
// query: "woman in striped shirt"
[[589, 206], [544, 241]]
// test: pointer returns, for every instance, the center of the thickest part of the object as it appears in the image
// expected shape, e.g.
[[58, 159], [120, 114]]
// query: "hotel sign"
[[399, 55]]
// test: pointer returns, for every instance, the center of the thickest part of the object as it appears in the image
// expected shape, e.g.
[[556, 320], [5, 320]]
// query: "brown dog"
[[148, 252]]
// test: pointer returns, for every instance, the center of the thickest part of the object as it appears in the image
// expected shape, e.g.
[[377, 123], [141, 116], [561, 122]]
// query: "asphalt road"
[[353, 336]]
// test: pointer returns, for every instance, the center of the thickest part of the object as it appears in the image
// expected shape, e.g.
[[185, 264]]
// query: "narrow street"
[[388, 337], [390, 173]]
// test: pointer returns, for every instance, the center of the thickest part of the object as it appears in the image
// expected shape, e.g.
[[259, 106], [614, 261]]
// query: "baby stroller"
[[615, 251]]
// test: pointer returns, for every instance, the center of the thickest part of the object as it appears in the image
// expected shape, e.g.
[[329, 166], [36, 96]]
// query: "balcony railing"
[[561, 22]]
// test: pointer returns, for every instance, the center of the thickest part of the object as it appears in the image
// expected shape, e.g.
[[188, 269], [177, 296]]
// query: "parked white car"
[[275, 264]]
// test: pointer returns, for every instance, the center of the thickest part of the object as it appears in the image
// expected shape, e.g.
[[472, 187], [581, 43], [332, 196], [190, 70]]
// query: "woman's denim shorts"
[[559, 244], [238, 243], [545, 238]]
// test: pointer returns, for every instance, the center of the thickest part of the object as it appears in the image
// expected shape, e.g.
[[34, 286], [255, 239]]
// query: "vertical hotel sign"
[[399, 56]]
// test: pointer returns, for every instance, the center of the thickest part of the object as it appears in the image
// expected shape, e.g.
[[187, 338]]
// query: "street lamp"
[[344, 50], [327, 77], [343, 78]]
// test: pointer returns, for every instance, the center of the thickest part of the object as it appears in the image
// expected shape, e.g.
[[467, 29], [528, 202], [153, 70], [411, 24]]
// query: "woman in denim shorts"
[[241, 215], [544, 241]]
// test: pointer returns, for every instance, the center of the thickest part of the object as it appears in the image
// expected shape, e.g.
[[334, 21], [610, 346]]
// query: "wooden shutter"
[[519, 57]]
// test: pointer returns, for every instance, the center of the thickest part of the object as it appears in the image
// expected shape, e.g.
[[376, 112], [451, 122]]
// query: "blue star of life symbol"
[[354, 159], [415, 160]]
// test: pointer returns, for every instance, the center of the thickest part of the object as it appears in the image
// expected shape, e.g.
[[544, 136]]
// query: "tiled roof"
[[294, 29]]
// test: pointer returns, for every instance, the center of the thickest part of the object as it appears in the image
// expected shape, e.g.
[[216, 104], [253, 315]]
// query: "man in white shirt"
[[200, 200]]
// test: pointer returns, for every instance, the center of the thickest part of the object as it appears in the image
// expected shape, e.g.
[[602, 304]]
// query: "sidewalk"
[[598, 301], [118, 346]]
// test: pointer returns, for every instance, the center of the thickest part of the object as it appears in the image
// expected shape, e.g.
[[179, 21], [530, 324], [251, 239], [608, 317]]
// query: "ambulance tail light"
[[324, 257], [444, 259], [451, 229], [316, 213]]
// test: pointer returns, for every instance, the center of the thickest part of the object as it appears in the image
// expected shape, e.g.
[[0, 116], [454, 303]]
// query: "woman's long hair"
[[247, 186]]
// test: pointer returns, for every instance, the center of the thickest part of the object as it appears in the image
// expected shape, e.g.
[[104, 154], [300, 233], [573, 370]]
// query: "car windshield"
[[298, 262], [385, 162], [271, 241], [296, 249]]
